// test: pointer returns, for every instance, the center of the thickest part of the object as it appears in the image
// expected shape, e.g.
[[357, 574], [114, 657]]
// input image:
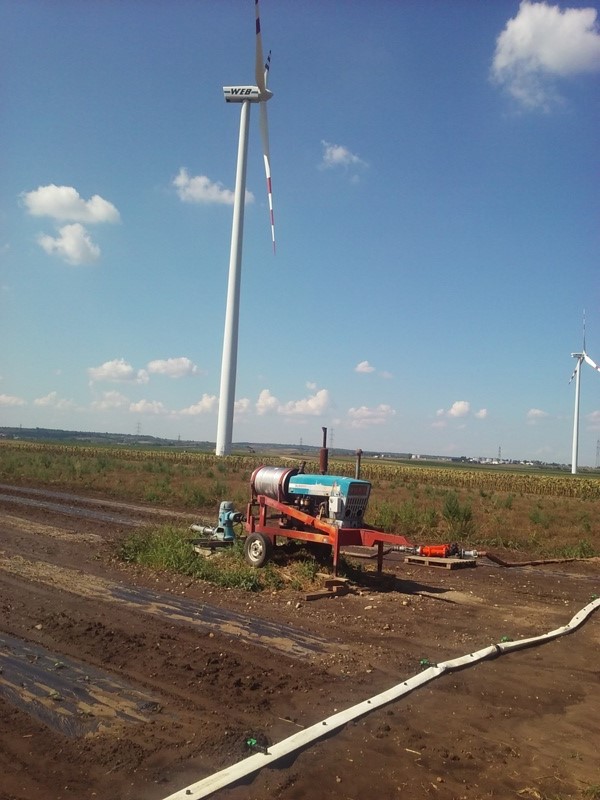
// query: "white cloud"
[[117, 371], [543, 42], [52, 400], [458, 410], [309, 406], [64, 203], [206, 404], [110, 400], [364, 366], [337, 155], [536, 415], [172, 367], [266, 402], [73, 245], [200, 189], [593, 420], [148, 407], [241, 406], [11, 400], [311, 385], [363, 417]]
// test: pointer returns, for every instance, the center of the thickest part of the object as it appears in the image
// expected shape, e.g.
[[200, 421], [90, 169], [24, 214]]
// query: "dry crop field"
[[542, 514]]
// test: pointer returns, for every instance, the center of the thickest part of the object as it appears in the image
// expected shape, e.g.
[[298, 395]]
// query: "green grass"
[[592, 792], [170, 548], [459, 518], [582, 549]]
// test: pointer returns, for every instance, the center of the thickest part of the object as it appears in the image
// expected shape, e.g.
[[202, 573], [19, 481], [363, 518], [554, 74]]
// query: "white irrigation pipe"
[[242, 769]]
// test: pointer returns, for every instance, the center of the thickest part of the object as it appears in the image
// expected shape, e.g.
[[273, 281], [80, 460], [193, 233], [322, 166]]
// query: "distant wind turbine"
[[581, 357], [244, 95]]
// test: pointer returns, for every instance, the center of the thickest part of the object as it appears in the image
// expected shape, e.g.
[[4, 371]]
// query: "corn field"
[[477, 478]]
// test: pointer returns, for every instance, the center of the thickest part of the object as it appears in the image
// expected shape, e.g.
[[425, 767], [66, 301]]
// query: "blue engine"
[[331, 497]]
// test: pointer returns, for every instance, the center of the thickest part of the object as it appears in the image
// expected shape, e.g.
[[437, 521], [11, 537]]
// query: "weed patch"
[[459, 518], [406, 518], [170, 548]]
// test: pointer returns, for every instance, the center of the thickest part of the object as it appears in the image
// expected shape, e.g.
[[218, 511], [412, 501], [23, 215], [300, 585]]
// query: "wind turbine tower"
[[581, 357], [575, 448], [245, 95]]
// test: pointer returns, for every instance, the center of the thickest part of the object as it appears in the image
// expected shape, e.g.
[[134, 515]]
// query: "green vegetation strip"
[[167, 547], [170, 548]]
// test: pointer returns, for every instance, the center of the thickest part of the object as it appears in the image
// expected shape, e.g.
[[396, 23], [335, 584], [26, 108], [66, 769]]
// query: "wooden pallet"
[[446, 563]]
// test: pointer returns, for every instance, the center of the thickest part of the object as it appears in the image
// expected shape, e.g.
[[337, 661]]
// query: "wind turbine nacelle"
[[242, 94]]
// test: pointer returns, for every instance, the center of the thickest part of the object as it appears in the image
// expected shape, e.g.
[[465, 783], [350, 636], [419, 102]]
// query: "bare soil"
[[121, 684]]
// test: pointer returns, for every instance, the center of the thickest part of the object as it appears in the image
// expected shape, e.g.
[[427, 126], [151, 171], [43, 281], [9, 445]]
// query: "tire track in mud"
[[71, 697], [41, 529], [17, 495], [263, 633], [70, 511]]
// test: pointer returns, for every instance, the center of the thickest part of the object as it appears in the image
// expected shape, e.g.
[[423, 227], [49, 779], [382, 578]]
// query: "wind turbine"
[[245, 95], [581, 357]]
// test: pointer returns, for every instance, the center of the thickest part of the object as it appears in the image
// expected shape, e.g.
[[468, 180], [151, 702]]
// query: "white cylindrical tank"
[[272, 481]]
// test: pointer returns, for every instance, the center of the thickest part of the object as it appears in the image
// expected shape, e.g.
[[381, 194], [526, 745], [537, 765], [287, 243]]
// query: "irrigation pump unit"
[[223, 533], [286, 503]]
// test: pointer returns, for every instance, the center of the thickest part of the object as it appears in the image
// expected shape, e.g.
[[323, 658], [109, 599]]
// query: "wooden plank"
[[445, 563], [334, 591], [332, 583], [326, 576]]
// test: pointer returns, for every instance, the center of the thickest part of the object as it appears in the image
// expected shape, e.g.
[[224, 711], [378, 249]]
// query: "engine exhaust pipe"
[[359, 453], [324, 454]]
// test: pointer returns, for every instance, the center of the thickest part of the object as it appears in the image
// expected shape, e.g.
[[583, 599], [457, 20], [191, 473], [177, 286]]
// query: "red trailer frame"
[[308, 528]]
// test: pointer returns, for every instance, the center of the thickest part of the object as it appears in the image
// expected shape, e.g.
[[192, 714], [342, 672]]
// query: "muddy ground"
[[118, 684]]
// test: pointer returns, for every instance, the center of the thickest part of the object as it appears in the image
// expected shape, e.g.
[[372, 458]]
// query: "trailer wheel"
[[257, 549]]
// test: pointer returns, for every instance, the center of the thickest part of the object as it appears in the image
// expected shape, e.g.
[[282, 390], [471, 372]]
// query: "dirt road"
[[119, 684]]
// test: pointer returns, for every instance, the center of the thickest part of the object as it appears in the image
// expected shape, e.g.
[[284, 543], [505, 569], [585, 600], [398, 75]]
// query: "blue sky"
[[435, 181]]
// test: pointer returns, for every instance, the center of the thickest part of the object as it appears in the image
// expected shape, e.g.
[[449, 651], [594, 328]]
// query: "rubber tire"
[[257, 549]]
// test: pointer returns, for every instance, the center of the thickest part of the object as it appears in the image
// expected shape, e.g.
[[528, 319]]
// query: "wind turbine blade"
[[260, 64], [574, 371], [264, 132], [589, 361], [267, 68]]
